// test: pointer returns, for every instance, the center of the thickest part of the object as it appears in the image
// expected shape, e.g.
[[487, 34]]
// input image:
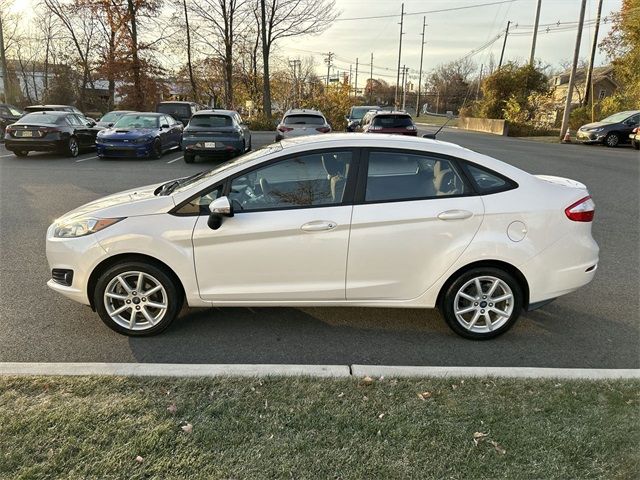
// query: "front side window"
[[408, 176], [302, 181]]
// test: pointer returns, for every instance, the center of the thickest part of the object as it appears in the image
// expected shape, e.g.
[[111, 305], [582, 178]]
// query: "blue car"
[[140, 135]]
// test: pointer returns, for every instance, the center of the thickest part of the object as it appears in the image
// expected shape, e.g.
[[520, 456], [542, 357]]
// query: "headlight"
[[79, 227], [596, 129], [142, 139]]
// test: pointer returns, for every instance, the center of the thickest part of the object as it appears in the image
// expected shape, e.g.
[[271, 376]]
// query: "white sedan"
[[332, 220]]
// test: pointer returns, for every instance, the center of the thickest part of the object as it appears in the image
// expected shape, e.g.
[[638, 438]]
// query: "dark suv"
[[355, 116], [612, 130], [182, 111], [8, 115]]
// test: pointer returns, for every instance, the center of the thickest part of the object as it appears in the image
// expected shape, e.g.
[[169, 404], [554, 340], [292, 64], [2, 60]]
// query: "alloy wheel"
[[612, 140], [135, 300], [483, 304], [73, 147]]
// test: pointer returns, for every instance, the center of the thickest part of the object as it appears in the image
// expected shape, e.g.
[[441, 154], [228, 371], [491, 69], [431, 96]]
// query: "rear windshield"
[[137, 121], [176, 110], [41, 118], [211, 121], [303, 120], [392, 121]]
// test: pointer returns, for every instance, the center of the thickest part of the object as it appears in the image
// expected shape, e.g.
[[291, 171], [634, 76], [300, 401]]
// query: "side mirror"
[[165, 125], [109, 125], [219, 208]]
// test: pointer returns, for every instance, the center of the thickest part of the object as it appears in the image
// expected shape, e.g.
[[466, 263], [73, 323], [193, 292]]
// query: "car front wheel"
[[482, 303], [137, 299], [156, 149], [612, 140]]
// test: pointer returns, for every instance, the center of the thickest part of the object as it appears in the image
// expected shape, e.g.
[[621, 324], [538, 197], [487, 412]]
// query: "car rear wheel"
[[189, 157], [73, 149], [21, 153], [137, 299], [612, 140], [482, 303], [156, 149]]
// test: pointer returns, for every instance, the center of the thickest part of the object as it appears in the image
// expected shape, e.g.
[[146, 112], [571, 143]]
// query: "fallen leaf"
[[341, 394], [379, 433], [172, 408], [139, 459], [478, 437], [424, 395], [381, 378], [188, 428], [454, 386], [366, 381], [381, 416], [365, 398], [498, 447]]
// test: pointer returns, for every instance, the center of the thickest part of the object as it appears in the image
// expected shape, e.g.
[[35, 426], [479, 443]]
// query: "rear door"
[[414, 216]]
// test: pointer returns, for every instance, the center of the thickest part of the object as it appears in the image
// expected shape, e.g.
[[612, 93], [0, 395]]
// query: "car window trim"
[[347, 197], [361, 188]]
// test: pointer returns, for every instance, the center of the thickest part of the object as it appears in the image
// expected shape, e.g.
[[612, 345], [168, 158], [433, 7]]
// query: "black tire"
[[249, 149], [72, 148], [612, 140], [21, 153], [180, 145], [636, 144], [481, 331], [189, 157], [156, 149], [174, 297]]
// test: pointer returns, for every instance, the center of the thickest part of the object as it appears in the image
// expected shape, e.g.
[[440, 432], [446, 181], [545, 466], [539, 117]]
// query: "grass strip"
[[130, 428]]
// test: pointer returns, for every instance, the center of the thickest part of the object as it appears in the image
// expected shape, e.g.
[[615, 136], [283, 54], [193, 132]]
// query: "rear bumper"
[[224, 147], [33, 145]]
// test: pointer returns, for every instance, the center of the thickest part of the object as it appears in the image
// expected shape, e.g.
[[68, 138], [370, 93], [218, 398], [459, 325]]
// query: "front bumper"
[[81, 255], [128, 150], [590, 137]]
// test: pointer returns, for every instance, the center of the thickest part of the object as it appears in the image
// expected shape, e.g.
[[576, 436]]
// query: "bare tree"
[[289, 18], [8, 34]]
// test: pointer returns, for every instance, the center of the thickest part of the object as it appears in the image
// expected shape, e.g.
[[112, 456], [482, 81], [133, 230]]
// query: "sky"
[[449, 35]]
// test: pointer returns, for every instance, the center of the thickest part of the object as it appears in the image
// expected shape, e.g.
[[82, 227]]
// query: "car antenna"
[[432, 136]]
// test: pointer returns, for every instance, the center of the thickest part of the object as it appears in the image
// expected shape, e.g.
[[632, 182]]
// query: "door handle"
[[318, 226], [455, 215]]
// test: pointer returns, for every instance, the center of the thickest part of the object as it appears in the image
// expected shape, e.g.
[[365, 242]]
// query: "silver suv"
[[299, 122]]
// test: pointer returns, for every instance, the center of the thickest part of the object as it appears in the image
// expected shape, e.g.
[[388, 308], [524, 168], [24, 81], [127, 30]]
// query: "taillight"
[[45, 130], [282, 128], [323, 129], [581, 211]]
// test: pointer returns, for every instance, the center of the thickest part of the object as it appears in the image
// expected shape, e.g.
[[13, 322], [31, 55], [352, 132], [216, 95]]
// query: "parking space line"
[[175, 159], [85, 159], [10, 155]]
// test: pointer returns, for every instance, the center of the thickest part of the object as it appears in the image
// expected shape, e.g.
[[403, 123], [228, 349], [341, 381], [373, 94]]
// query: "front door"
[[288, 238], [413, 224]]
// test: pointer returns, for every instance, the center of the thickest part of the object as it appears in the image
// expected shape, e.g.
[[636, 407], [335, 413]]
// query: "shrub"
[[531, 130], [261, 123]]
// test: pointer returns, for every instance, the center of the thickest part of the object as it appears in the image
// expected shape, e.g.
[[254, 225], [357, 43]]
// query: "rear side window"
[[486, 181], [304, 120], [406, 176], [211, 121], [392, 121]]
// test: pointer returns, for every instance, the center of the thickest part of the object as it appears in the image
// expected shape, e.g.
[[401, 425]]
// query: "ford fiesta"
[[332, 220]]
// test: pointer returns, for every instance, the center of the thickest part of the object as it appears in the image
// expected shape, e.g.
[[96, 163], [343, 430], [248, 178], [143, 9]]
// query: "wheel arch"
[[128, 257], [507, 267]]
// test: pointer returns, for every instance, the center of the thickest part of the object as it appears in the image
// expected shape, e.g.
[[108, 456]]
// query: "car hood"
[[130, 203], [589, 126], [128, 133]]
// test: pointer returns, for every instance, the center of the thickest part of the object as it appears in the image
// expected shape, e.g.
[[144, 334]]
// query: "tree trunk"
[[192, 80], [138, 98], [8, 97], [266, 91]]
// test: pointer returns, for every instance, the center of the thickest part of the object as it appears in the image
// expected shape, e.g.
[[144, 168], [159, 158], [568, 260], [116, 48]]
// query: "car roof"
[[369, 140], [50, 106], [49, 112], [154, 114], [392, 112], [303, 111]]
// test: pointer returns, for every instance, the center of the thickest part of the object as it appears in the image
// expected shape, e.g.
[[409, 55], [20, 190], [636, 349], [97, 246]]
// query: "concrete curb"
[[173, 369], [262, 370], [504, 372]]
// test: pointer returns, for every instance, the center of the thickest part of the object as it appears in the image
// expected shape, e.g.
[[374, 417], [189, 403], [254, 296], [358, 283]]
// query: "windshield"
[[211, 121], [617, 117], [247, 157], [112, 116], [392, 121], [358, 112], [176, 110], [303, 120], [137, 121], [40, 118]]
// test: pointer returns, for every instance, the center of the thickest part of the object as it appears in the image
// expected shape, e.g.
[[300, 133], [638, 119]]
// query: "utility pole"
[[587, 86], [350, 70], [328, 61], [295, 64], [479, 81], [355, 91], [395, 98], [405, 77], [535, 34], [504, 44], [371, 79], [424, 24], [572, 76]]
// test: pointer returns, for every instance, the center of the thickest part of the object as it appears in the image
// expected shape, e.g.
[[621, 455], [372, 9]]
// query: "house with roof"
[[604, 85]]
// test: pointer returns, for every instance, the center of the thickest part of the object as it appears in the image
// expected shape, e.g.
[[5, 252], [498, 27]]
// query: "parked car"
[[50, 131], [146, 135], [50, 108], [635, 138], [399, 123], [366, 120], [181, 111], [299, 122], [216, 134], [356, 114], [108, 119], [8, 115], [341, 220], [612, 130]]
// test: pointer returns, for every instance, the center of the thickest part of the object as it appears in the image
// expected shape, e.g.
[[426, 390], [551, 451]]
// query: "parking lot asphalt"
[[595, 327]]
